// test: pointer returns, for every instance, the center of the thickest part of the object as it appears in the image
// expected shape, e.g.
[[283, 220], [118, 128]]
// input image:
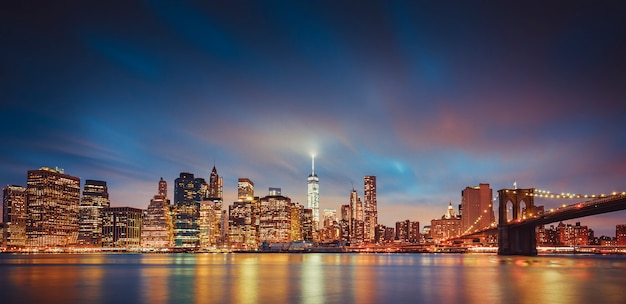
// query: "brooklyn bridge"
[[519, 217]]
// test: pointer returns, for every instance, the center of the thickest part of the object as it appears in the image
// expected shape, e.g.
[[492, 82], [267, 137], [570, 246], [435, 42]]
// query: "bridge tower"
[[515, 238]]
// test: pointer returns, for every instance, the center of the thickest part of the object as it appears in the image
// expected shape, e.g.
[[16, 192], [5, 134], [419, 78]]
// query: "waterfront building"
[[408, 231], [390, 234], [330, 216], [379, 236], [156, 226], [275, 219], [370, 216], [572, 235], [307, 225], [242, 225], [449, 225], [52, 200], [477, 209], [215, 184], [332, 232], [121, 227], [297, 213], [14, 217], [313, 194], [345, 223], [245, 189], [95, 198], [210, 222], [186, 211], [356, 218], [620, 234], [547, 236]]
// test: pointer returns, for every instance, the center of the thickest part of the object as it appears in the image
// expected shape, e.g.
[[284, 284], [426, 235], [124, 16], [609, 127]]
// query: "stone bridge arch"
[[519, 239]]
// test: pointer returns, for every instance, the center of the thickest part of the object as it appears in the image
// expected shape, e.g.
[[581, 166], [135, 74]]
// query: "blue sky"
[[430, 98]]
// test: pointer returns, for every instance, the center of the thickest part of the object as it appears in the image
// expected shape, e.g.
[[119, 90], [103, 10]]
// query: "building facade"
[[620, 235], [477, 209], [186, 211], [275, 219], [53, 199], [313, 195], [95, 198], [370, 212], [14, 217], [121, 227], [156, 226]]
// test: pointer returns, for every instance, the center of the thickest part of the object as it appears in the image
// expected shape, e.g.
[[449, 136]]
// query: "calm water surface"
[[310, 278]]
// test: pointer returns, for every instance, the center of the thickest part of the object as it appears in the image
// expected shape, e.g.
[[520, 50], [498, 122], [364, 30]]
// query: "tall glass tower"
[[313, 194]]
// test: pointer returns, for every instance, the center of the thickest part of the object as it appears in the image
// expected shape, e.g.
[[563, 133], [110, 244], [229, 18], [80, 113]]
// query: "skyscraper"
[[275, 219], [95, 197], [215, 184], [186, 230], [14, 217], [245, 189], [313, 195], [356, 218], [121, 227], [330, 216], [156, 227], [370, 218], [477, 208], [212, 230], [53, 198]]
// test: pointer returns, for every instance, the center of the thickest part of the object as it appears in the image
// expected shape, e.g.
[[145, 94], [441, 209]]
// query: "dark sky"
[[429, 97]]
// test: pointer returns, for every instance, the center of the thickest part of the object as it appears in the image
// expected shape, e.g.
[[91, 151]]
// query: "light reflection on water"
[[310, 278]]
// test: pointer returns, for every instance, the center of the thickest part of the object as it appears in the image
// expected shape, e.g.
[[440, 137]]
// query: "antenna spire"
[[312, 164]]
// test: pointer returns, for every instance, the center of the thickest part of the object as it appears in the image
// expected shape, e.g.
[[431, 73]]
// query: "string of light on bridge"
[[549, 194]]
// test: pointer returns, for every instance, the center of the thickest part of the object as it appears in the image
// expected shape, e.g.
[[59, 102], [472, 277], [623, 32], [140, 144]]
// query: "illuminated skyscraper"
[[370, 218], [313, 195], [345, 223], [245, 189], [14, 217], [357, 226], [242, 224], [211, 221], [330, 216], [477, 208], [95, 197], [156, 227], [186, 230], [53, 199], [121, 227], [215, 184], [275, 219]]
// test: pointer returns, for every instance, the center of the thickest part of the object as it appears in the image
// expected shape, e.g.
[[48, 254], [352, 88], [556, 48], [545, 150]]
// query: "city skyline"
[[428, 98]]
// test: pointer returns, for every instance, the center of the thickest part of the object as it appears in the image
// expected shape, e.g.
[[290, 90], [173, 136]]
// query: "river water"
[[310, 278]]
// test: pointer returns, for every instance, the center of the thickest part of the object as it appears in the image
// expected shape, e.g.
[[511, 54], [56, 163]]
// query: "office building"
[[245, 189], [620, 235], [477, 208], [449, 225], [14, 217], [121, 227], [53, 199], [313, 194], [357, 226], [275, 219], [330, 216], [186, 211], [95, 198], [156, 226], [370, 212], [242, 224]]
